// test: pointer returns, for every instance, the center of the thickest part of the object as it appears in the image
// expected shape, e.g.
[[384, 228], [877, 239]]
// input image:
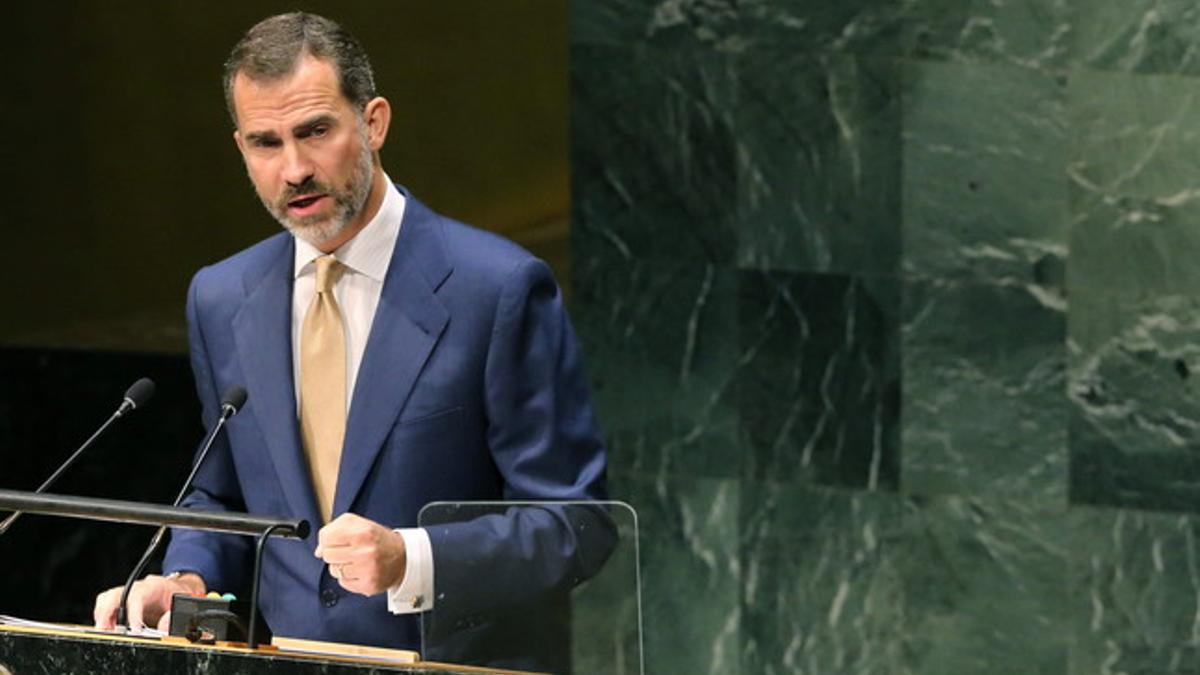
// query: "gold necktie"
[[323, 384]]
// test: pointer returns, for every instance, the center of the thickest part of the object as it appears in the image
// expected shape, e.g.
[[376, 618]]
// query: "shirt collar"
[[370, 251]]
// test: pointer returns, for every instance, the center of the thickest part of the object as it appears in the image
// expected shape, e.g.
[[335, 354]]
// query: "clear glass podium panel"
[[537, 586]]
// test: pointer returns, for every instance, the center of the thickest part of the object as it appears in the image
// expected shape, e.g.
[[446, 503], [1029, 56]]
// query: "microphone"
[[231, 403], [135, 397]]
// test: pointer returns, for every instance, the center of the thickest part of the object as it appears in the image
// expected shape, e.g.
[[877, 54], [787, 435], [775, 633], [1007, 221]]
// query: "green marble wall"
[[891, 309]]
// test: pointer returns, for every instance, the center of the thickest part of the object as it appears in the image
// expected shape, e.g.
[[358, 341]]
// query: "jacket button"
[[329, 597]]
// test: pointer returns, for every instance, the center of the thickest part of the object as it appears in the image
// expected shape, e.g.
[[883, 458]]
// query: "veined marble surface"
[[851, 582], [730, 373], [818, 159], [983, 406], [934, 266], [983, 190]]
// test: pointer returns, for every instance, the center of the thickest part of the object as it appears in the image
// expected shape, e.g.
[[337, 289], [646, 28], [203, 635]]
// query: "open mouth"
[[304, 202]]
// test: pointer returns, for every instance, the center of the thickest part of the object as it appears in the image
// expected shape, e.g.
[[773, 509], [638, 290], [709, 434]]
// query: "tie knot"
[[328, 272]]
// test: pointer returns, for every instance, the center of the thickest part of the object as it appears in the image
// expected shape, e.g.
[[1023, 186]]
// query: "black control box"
[[208, 620]]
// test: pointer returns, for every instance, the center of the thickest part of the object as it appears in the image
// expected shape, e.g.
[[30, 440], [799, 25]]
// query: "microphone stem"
[[122, 609], [226, 413], [12, 518], [137, 572]]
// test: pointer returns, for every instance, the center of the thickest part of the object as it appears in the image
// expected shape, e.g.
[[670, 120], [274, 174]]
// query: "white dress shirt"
[[366, 258]]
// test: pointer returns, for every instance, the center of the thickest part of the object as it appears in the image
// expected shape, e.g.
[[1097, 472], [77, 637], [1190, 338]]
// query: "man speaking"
[[393, 358]]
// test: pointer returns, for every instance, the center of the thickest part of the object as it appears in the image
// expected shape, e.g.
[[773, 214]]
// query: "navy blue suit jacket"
[[471, 388]]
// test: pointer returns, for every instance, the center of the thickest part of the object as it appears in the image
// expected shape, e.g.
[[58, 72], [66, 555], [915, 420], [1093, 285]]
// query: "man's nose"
[[297, 168]]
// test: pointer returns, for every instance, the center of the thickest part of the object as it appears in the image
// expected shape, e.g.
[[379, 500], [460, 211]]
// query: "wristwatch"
[[178, 574]]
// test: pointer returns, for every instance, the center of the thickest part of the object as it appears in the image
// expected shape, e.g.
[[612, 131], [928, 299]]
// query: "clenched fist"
[[364, 556]]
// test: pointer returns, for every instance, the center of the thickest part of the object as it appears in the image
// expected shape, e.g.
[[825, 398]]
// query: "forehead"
[[311, 89]]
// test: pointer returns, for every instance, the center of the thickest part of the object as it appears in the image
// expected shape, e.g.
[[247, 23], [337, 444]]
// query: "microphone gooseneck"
[[231, 404], [136, 396]]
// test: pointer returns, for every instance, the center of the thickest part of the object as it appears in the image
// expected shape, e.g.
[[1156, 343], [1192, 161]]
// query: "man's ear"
[[378, 116]]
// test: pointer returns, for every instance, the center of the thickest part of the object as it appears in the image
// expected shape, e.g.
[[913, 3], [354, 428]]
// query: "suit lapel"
[[262, 331], [407, 326]]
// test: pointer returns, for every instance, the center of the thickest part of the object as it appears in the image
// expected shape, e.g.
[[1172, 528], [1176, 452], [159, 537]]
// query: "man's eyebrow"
[[306, 127], [258, 136]]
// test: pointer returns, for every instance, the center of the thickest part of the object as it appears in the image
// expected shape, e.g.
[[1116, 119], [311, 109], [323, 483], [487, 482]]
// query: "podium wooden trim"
[[367, 659]]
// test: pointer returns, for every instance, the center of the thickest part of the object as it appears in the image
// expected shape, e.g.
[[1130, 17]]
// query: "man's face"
[[306, 150]]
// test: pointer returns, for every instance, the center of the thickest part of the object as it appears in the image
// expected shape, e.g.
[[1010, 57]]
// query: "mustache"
[[308, 186]]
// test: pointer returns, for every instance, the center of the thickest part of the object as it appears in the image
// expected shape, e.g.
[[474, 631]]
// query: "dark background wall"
[[121, 179]]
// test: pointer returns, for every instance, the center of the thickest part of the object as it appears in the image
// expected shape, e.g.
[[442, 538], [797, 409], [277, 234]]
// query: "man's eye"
[[320, 131], [266, 143]]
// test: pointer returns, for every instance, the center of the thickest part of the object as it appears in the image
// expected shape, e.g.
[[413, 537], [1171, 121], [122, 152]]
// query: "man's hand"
[[149, 601], [364, 556]]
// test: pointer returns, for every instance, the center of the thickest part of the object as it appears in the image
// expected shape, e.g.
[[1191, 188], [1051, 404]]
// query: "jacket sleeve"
[[543, 437], [222, 560]]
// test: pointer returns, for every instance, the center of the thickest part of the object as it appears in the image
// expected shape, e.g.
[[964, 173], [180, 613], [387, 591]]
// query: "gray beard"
[[348, 204]]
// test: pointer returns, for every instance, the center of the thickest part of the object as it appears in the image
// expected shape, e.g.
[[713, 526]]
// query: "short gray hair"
[[272, 48]]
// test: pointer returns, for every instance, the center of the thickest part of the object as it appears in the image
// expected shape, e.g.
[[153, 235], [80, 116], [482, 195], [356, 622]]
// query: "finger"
[[164, 623], [331, 553], [353, 585], [145, 599], [331, 536], [102, 613], [133, 606], [348, 519], [338, 556], [365, 585], [99, 615], [322, 539], [359, 576]]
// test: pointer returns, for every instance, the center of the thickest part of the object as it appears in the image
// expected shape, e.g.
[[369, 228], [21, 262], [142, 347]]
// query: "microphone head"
[[139, 393], [233, 400]]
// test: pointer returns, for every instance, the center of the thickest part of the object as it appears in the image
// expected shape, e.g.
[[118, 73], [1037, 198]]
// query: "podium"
[[556, 588], [42, 651]]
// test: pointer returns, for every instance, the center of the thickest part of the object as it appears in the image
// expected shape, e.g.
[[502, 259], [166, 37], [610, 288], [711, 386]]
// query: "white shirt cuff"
[[415, 591]]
